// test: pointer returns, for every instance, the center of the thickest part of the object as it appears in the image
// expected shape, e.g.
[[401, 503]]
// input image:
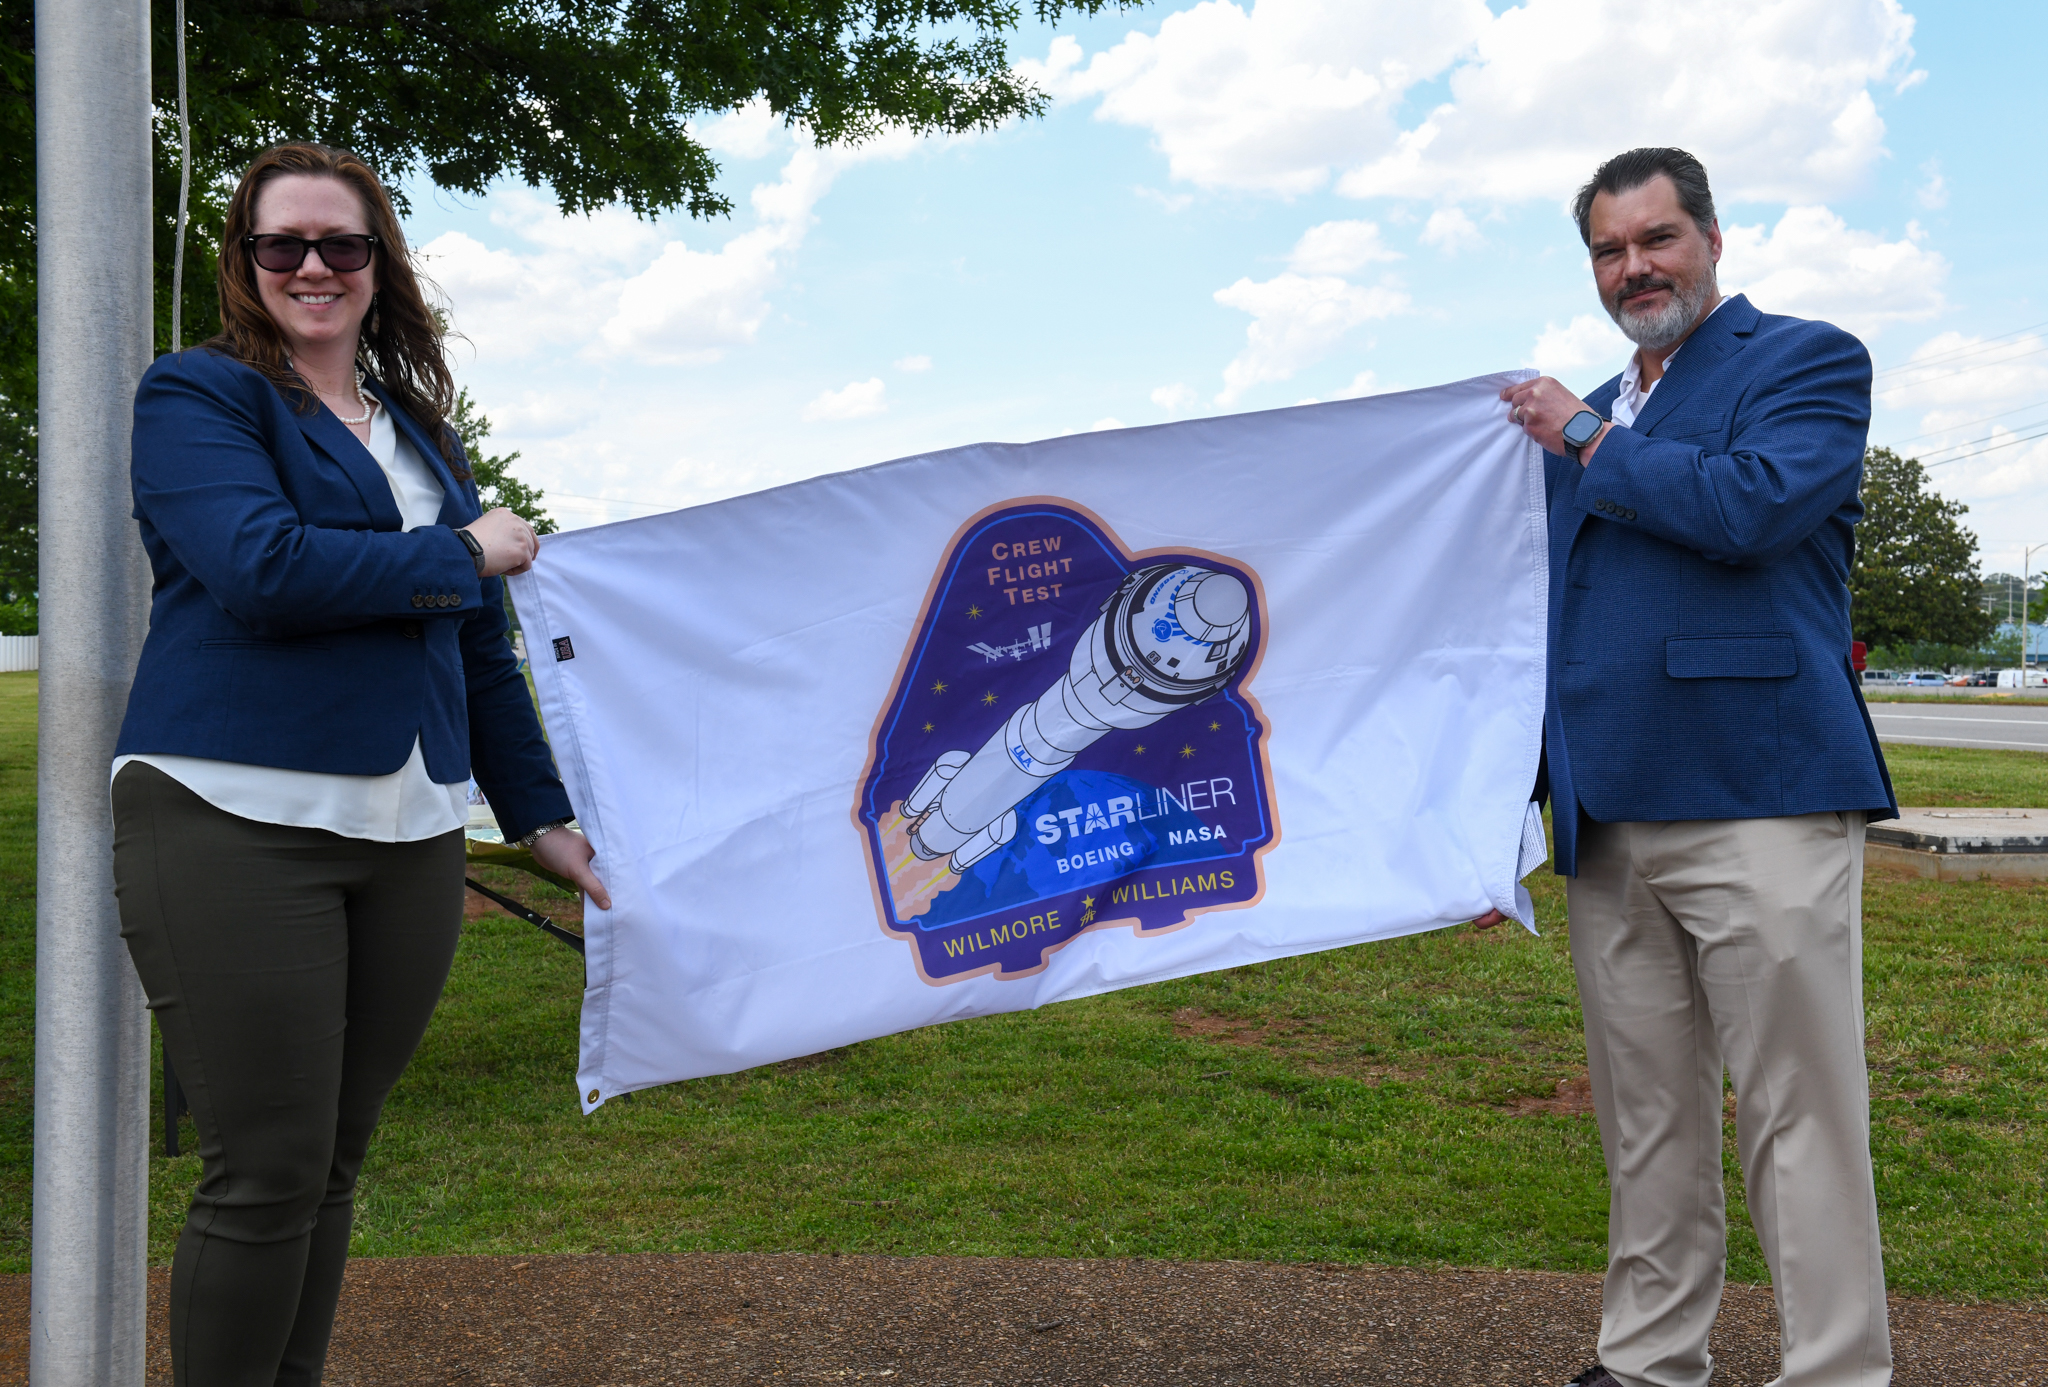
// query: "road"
[[2007, 727]]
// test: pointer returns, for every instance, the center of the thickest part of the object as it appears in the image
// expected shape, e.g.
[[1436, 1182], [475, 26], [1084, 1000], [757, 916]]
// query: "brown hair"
[[401, 336]]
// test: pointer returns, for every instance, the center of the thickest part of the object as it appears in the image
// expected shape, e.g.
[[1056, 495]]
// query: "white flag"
[[994, 727]]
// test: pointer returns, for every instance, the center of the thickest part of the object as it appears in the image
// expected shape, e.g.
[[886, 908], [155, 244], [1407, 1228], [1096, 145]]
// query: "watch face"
[[1581, 427]]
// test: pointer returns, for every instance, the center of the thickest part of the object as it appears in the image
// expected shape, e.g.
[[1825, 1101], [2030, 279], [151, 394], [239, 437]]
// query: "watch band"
[[475, 548], [534, 837]]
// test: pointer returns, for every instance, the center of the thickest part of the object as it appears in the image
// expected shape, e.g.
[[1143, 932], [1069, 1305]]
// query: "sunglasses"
[[282, 254]]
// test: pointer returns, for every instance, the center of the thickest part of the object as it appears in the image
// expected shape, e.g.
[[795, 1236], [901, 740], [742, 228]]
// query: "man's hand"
[[509, 542], [566, 852], [1491, 919], [1543, 407]]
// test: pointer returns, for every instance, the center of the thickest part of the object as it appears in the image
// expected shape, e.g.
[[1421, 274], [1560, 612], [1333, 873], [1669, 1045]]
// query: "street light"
[[2026, 558]]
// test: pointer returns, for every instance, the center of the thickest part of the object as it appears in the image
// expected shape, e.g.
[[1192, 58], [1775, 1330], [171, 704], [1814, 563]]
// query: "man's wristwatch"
[[1579, 430], [476, 549]]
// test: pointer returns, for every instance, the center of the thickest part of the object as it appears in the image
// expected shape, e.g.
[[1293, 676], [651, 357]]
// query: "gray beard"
[[1656, 331]]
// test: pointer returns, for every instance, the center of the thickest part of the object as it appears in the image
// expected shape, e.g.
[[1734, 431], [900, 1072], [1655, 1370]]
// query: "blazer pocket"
[[1767, 656], [1692, 428]]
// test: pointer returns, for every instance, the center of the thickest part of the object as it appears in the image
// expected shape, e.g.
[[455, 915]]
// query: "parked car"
[[1926, 678], [1880, 676], [2023, 679], [1981, 679]]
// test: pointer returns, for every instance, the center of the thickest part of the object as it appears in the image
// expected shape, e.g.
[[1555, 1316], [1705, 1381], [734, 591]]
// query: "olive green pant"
[[292, 972]]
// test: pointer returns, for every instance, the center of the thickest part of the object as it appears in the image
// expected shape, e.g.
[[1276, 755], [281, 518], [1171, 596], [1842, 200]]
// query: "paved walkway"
[[970, 1322]]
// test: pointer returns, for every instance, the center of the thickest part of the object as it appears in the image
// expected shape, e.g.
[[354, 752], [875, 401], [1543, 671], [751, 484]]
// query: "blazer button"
[[418, 601], [1631, 515], [410, 629]]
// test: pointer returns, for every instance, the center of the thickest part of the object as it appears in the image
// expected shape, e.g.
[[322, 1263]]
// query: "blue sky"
[[1247, 205]]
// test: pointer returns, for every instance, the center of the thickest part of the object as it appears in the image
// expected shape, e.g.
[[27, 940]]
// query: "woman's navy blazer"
[[293, 623]]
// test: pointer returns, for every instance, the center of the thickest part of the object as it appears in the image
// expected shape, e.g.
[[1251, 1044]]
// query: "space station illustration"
[[1070, 745]]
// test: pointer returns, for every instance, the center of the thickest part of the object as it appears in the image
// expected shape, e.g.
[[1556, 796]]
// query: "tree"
[[1915, 578], [494, 479], [594, 99]]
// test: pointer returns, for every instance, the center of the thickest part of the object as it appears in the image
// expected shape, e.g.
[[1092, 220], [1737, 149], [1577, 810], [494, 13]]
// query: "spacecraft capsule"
[[1170, 636]]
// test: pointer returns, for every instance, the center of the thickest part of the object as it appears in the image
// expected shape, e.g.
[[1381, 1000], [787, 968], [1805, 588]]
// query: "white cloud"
[[856, 401], [1587, 341], [1297, 319], [1954, 376], [613, 285], [1169, 203], [1451, 231], [1812, 265], [1337, 248], [753, 131], [1933, 193], [1272, 98], [912, 364], [1176, 398], [1103, 425], [1283, 96], [1363, 384]]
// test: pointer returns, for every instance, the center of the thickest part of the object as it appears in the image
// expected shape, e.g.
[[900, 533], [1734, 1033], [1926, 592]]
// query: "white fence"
[[17, 653]]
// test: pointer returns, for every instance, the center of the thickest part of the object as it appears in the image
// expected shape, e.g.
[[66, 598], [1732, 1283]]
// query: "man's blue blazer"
[[1699, 590], [293, 623]]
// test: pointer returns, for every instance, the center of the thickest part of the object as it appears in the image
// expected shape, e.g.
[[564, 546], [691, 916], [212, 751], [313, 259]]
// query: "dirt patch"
[[1572, 1098], [978, 1322]]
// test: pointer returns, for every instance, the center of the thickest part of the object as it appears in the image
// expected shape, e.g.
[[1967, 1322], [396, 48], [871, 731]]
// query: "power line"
[[1960, 370], [1977, 348], [1967, 424], [1990, 448]]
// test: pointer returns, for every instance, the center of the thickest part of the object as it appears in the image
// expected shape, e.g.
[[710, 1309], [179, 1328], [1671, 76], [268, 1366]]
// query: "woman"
[[327, 659]]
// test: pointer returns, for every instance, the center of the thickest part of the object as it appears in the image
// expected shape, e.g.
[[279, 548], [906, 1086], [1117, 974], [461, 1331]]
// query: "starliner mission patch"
[[1070, 744]]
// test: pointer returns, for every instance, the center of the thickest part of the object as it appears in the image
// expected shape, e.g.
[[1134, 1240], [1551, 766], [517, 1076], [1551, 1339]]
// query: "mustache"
[[1640, 284]]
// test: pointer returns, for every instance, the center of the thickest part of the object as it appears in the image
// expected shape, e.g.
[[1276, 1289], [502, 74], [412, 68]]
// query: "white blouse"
[[402, 807]]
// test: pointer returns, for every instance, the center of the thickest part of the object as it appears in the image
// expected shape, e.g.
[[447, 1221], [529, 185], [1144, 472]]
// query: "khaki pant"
[[1736, 942]]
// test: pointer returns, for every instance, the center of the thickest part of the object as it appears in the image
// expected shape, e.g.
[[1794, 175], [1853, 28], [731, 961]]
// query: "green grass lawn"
[[1384, 1103]]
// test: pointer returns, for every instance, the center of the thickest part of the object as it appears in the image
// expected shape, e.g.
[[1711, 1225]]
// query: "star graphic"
[[1141, 751], [988, 700], [1186, 752], [927, 727], [1087, 902], [1215, 727], [973, 613], [939, 687]]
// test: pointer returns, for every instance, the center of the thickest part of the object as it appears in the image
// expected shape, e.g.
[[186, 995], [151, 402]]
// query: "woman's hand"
[[566, 852], [509, 542]]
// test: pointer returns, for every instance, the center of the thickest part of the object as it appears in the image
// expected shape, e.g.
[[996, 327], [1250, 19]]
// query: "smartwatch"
[[476, 548], [1579, 430]]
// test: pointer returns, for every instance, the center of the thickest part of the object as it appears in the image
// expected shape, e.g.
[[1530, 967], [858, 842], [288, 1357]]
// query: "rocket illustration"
[[1171, 635]]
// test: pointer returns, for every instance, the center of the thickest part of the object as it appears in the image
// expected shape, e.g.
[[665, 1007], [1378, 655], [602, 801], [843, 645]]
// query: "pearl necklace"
[[367, 407], [364, 417]]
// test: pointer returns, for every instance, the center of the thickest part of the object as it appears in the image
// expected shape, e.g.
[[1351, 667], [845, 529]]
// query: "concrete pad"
[[1964, 844]]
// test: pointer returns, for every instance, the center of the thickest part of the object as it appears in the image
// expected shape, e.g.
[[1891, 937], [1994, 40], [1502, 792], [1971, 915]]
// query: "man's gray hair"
[[1626, 172]]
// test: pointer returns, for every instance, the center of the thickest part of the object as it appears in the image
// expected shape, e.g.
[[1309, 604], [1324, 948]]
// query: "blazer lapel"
[[1719, 337], [346, 451], [455, 508]]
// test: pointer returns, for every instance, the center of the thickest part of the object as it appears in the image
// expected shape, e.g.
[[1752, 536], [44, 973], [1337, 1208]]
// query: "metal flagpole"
[[95, 306]]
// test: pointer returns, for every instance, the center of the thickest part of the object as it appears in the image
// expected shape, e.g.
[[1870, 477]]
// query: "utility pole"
[[95, 305], [2026, 572]]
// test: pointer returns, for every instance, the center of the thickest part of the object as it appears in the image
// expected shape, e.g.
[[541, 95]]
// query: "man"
[[1710, 768]]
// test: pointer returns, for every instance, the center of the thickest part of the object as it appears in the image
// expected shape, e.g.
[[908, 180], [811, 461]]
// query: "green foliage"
[[494, 479], [18, 618], [1915, 576], [594, 99], [1914, 655]]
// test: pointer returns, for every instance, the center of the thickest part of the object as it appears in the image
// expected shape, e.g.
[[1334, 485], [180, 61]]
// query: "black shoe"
[[1595, 1376]]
